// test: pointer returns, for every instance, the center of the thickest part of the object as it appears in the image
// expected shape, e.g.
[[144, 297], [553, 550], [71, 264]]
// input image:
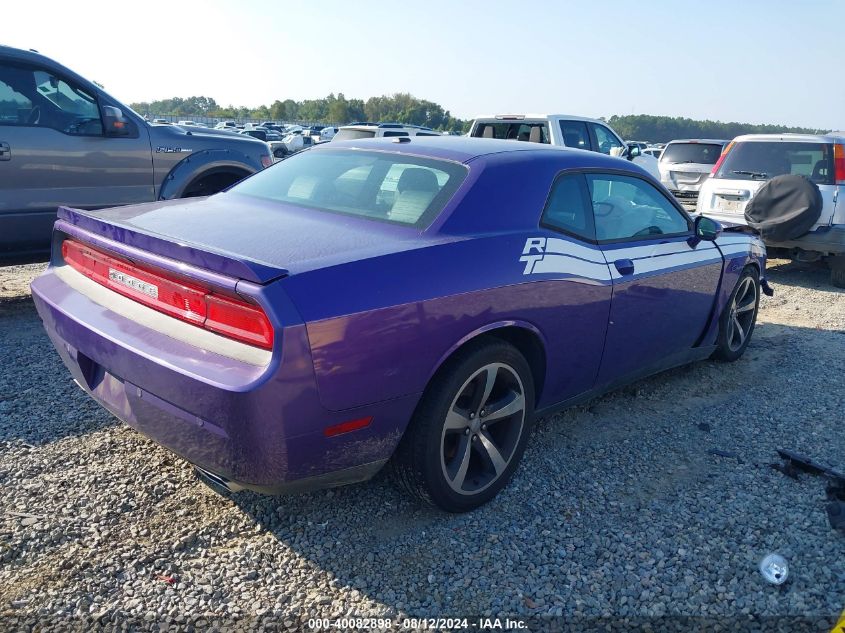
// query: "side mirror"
[[707, 229], [114, 123], [634, 151]]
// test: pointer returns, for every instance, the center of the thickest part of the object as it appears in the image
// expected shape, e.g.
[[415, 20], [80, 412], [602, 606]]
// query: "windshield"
[[704, 153], [761, 160], [386, 187], [351, 135]]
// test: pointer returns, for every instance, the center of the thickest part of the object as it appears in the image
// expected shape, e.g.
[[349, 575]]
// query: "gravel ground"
[[620, 509]]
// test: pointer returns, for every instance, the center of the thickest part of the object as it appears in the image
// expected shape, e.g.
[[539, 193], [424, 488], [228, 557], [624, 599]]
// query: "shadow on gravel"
[[815, 276], [660, 492], [39, 402]]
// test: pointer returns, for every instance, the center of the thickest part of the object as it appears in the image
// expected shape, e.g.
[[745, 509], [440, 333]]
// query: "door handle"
[[5, 151], [624, 266]]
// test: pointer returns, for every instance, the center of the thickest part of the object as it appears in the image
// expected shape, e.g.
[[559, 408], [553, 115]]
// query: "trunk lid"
[[684, 176], [245, 237]]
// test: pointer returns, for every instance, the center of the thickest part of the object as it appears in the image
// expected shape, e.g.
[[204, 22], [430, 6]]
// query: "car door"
[[664, 281], [575, 283], [55, 153]]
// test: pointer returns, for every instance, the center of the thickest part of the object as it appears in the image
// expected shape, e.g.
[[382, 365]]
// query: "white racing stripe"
[[565, 247], [564, 264], [646, 265]]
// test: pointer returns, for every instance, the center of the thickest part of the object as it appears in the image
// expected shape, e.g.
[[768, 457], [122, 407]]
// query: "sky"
[[752, 61]]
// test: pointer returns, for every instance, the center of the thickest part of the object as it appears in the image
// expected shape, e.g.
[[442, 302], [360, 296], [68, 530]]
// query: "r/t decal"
[[532, 244]]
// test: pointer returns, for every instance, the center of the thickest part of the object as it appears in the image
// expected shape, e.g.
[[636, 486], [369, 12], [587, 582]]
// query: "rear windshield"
[[381, 186], [511, 131], [761, 160], [351, 135], [704, 153]]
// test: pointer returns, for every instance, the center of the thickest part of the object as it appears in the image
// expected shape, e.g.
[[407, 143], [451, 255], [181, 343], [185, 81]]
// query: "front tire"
[[469, 431], [739, 317]]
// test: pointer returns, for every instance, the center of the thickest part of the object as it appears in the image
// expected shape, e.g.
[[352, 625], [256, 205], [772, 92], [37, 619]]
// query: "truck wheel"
[[470, 429]]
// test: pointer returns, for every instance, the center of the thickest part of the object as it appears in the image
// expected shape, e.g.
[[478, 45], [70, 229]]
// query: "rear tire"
[[470, 429], [736, 325]]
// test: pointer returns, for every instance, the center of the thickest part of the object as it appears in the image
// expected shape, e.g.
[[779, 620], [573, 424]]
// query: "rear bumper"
[[259, 426], [826, 240]]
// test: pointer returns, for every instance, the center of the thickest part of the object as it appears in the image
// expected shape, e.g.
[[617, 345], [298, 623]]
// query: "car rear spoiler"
[[84, 225]]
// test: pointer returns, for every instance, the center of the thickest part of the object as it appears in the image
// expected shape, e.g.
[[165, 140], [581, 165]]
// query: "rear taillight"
[[179, 298], [839, 164], [266, 160], [721, 158]]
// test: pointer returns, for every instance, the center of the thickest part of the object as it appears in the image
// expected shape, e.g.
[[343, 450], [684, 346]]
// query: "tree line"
[[661, 129], [406, 108], [336, 109]]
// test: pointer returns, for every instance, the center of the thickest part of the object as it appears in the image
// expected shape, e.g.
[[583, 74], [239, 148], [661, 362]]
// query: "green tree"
[[278, 111], [338, 111]]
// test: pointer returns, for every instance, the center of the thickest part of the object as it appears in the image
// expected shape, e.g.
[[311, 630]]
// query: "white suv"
[[379, 130], [565, 131], [750, 162]]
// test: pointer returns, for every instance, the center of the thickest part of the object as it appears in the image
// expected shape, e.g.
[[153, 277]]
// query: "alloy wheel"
[[742, 313], [482, 428]]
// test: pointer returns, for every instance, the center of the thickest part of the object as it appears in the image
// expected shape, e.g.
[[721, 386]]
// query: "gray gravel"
[[619, 509]]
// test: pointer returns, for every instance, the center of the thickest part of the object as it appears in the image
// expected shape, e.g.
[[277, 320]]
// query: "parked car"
[[264, 334], [327, 133], [653, 151], [380, 130], [63, 140], [161, 121], [564, 131], [293, 142], [787, 186], [225, 125], [686, 164]]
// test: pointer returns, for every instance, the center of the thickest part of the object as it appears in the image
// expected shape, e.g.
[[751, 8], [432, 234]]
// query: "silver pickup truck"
[[65, 141]]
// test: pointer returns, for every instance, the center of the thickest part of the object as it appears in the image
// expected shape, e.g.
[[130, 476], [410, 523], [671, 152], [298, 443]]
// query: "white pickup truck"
[[563, 130]]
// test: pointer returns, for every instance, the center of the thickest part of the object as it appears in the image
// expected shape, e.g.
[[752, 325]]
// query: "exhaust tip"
[[215, 481]]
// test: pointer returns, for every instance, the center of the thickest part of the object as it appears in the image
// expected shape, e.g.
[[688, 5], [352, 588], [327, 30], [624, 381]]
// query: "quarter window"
[[568, 208], [575, 134], [629, 208]]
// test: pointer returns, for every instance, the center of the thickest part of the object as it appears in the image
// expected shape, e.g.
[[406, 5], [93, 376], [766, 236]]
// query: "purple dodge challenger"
[[413, 300]]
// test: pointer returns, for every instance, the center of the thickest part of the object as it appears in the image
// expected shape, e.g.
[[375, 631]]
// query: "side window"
[[568, 208], [629, 208], [15, 107], [575, 134], [65, 107], [606, 141], [386, 134]]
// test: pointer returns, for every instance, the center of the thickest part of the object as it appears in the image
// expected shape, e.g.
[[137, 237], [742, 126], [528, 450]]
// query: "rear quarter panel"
[[440, 296]]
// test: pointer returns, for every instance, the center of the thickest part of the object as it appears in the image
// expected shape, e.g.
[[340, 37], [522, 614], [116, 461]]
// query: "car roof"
[[786, 137], [516, 117], [463, 149], [699, 140]]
